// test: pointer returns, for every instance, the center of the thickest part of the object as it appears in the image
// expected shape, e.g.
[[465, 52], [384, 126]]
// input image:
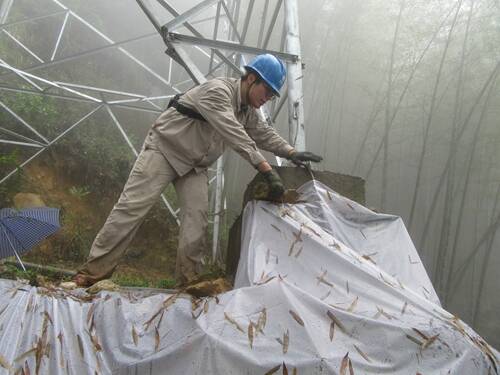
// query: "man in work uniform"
[[184, 141]]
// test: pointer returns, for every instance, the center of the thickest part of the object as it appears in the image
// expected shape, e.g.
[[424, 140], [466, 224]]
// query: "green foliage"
[[7, 163], [79, 238], [165, 284], [141, 282], [79, 191]]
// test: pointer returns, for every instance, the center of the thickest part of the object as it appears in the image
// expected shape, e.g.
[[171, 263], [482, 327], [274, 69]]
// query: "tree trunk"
[[385, 165], [430, 118]]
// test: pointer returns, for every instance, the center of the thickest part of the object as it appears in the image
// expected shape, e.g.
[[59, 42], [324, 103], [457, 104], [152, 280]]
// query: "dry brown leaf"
[[25, 354], [332, 330], [4, 363], [90, 313], [196, 316], [61, 358], [295, 371], [415, 340], [170, 301], [337, 322], [353, 305], [234, 322], [403, 310], [157, 339], [261, 323], [351, 370], [329, 195], [362, 354], [273, 370], [285, 370], [429, 342], [80, 345], [250, 334], [205, 307], [421, 334], [286, 341], [344, 364], [135, 337], [297, 318]]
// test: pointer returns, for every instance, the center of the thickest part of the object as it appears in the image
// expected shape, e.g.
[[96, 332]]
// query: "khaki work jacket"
[[190, 143]]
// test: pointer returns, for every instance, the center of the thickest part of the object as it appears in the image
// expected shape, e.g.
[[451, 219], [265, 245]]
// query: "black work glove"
[[299, 158], [276, 188]]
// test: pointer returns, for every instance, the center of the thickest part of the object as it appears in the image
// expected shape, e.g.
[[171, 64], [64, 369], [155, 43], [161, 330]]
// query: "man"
[[183, 142]]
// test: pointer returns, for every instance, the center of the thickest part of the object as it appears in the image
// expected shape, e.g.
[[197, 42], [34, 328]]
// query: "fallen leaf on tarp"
[[285, 370], [332, 330], [80, 345], [337, 322], [415, 340], [273, 370], [297, 318], [250, 334], [90, 313], [61, 359], [362, 354], [4, 363], [429, 342], [135, 336], [344, 364], [234, 322], [403, 310], [353, 305], [286, 341], [157, 339], [261, 323], [275, 227]]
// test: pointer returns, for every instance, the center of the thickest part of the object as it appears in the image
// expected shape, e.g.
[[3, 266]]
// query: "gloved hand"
[[299, 158], [276, 188]]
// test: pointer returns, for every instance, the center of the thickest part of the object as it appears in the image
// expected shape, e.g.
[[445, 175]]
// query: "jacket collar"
[[239, 105]]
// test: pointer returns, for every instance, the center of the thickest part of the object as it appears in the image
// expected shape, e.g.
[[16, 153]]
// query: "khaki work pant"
[[148, 179]]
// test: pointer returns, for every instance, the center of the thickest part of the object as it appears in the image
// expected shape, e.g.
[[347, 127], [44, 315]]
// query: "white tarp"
[[323, 287]]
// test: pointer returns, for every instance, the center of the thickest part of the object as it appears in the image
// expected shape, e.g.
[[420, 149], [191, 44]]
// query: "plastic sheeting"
[[323, 287]]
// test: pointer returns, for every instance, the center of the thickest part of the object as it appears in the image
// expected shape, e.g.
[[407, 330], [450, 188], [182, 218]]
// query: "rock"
[[25, 200], [103, 285], [209, 288], [68, 285]]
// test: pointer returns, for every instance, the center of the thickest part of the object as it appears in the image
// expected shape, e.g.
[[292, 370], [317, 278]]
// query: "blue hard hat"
[[270, 69]]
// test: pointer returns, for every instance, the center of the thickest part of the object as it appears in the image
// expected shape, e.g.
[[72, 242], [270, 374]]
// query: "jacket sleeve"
[[266, 136], [215, 105]]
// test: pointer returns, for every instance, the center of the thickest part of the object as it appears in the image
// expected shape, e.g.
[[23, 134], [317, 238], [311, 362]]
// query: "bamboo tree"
[[388, 109], [486, 262], [405, 90], [442, 249], [431, 116]]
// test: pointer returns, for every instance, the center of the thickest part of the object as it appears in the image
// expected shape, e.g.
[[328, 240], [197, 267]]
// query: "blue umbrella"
[[20, 230]]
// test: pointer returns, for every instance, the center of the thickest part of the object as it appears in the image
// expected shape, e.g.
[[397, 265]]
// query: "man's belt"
[[186, 111]]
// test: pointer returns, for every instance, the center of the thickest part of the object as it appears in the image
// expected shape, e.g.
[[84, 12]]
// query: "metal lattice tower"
[[209, 38]]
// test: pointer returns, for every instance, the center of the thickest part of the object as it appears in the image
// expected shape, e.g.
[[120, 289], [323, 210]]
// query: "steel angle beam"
[[51, 143], [227, 45], [182, 58], [180, 19], [294, 78], [20, 143], [195, 32]]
